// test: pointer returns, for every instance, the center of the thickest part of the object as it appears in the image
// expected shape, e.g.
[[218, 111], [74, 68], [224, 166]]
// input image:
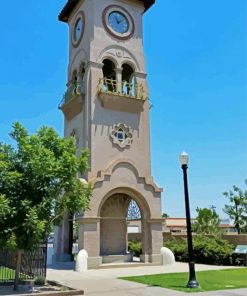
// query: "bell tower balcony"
[[122, 96], [72, 101]]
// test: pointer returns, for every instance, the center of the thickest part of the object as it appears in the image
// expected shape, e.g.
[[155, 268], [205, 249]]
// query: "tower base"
[[117, 258]]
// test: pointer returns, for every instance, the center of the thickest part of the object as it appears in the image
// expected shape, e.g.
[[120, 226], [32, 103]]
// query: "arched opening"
[[82, 71], [128, 80], [74, 78], [71, 87], [109, 75], [134, 230], [120, 214]]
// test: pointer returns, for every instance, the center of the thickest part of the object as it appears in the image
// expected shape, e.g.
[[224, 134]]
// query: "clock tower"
[[106, 107]]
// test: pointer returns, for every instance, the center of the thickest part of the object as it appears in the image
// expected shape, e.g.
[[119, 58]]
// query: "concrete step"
[[125, 265]]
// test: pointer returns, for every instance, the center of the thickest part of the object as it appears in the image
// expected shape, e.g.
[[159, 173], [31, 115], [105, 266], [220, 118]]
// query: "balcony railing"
[[74, 89], [122, 88]]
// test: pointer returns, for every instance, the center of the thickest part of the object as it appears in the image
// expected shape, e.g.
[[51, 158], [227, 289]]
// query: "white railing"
[[122, 88], [74, 89]]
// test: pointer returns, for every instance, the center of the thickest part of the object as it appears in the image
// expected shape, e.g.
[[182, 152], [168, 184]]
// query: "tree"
[[164, 215], [38, 184], [237, 208], [207, 222]]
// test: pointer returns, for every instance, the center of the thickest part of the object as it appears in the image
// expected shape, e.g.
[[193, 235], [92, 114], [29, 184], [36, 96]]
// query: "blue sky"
[[196, 64]]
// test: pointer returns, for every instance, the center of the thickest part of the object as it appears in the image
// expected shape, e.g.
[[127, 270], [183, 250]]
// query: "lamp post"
[[192, 283]]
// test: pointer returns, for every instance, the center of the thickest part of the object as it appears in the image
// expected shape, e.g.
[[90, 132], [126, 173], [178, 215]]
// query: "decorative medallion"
[[121, 135]]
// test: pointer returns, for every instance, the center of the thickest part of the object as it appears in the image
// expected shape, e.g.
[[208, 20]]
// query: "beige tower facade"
[[106, 107]]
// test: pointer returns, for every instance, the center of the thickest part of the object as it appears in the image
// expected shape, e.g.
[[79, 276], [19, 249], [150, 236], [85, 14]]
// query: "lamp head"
[[184, 158]]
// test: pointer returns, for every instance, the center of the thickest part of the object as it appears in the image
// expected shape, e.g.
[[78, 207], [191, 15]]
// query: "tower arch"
[[109, 69], [121, 55], [128, 80], [109, 76], [137, 196], [76, 59], [114, 220]]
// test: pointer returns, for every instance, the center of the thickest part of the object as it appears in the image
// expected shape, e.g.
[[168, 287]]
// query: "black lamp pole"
[[192, 283]]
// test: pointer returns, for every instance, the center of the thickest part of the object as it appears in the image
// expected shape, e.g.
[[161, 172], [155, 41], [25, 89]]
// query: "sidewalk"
[[104, 282]]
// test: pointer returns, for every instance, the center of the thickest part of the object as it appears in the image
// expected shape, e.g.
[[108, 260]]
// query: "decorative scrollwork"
[[121, 135]]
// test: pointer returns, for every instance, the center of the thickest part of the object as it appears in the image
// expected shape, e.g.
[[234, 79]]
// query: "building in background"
[[178, 225]]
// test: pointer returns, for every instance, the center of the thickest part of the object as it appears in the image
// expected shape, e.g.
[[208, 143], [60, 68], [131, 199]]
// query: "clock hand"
[[120, 21], [117, 18]]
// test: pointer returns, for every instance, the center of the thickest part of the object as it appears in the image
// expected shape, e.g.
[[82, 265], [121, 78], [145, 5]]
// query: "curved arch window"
[[74, 78], [82, 70], [128, 80], [109, 75]]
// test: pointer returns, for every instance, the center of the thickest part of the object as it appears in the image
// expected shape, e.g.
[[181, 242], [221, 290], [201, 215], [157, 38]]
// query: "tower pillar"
[[89, 239], [119, 79]]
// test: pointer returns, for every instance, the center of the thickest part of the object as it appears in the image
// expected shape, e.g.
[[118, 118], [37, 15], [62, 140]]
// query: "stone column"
[[89, 239], [146, 241], [119, 79], [156, 228]]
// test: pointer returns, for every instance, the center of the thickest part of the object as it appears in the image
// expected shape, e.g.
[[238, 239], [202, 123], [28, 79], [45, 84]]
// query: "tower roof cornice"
[[70, 5]]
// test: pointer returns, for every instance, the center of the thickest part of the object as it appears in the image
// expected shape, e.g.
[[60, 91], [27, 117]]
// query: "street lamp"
[[192, 283]]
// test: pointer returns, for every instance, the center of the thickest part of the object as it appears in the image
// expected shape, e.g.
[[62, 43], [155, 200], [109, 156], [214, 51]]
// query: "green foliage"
[[4, 207], [39, 280], [164, 215], [38, 183], [237, 209], [135, 248], [207, 250], [207, 222]]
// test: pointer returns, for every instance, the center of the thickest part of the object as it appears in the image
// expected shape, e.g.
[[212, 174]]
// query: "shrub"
[[135, 248], [207, 250], [39, 280]]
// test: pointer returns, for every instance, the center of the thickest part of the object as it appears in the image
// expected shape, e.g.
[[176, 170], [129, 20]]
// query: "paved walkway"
[[104, 282]]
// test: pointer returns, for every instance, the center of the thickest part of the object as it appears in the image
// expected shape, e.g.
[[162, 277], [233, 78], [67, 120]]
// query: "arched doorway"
[[116, 213]]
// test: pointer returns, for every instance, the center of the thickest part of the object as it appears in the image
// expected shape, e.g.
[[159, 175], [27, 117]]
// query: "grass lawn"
[[209, 280]]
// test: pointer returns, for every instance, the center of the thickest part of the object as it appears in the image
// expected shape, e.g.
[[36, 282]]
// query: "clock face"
[[78, 29], [118, 22]]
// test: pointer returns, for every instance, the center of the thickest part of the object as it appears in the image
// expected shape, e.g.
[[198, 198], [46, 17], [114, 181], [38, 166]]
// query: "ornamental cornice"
[[97, 65], [108, 171], [141, 75]]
